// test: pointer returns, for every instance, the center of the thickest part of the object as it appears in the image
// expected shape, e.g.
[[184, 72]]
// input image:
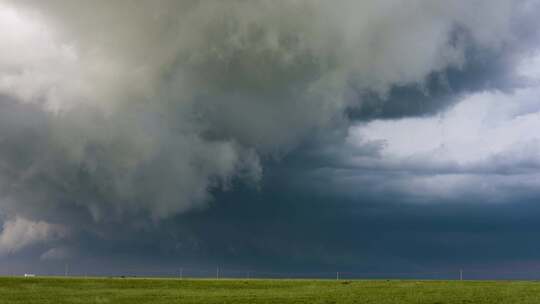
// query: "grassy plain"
[[156, 291]]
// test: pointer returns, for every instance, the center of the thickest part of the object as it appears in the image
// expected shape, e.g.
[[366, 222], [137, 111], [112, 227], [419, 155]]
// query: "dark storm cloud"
[[224, 132], [306, 233], [485, 70]]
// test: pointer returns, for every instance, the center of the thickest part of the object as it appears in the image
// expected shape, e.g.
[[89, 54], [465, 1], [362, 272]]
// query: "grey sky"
[[201, 131]]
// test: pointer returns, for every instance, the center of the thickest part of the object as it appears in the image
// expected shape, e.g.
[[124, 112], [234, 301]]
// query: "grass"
[[155, 291]]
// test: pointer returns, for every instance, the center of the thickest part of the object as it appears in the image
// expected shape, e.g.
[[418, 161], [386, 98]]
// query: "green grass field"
[[133, 291]]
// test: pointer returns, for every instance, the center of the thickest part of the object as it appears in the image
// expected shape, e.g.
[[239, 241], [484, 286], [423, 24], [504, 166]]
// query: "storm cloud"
[[132, 117]]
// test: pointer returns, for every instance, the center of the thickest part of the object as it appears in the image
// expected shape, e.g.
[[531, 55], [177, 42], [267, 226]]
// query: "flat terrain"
[[133, 291]]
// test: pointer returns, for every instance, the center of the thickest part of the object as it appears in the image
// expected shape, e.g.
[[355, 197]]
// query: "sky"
[[137, 137]]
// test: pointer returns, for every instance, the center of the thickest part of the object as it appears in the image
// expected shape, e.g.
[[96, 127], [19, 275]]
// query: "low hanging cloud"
[[20, 233], [56, 253]]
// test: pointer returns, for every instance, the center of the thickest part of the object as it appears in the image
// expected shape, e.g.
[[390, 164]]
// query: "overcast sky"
[[305, 135]]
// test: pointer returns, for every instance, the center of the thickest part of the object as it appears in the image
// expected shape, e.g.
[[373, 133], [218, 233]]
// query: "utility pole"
[[181, 273], [217, 273], [337, 276], [461, 274]]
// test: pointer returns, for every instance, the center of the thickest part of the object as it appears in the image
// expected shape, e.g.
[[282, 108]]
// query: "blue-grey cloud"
[[135, 130]]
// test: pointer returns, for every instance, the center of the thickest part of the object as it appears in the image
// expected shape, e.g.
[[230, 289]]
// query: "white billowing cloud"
[[475, 130], [35, 65], [19, 233], [149, 106], [486, 145]]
